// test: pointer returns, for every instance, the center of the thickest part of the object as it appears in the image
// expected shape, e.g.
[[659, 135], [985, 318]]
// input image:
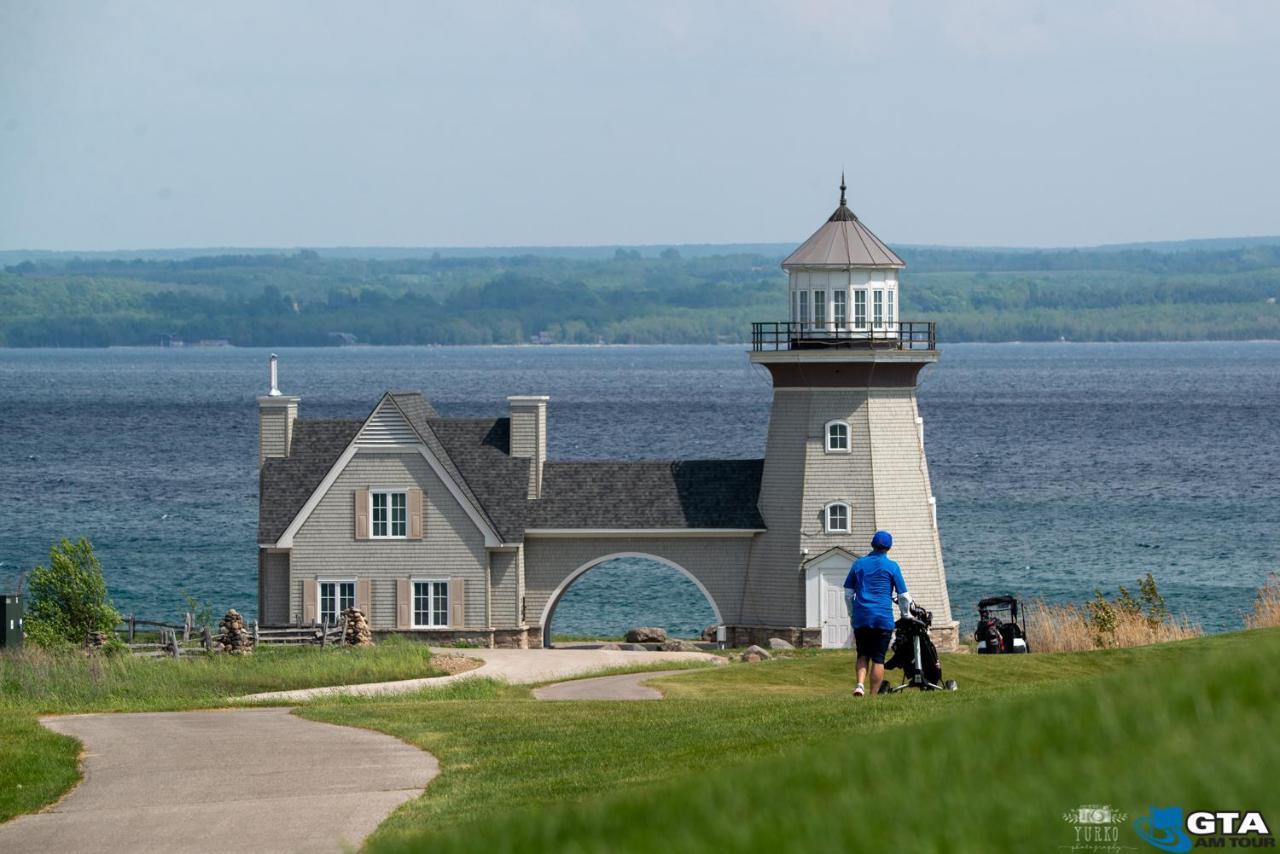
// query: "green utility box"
[[11, 616]]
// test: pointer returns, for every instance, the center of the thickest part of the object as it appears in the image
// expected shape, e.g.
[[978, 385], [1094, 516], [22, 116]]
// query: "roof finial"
[[842, 188]]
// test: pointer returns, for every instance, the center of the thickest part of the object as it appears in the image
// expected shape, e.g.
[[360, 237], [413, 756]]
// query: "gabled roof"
[[285, 483], [842, 242], [613, 494]]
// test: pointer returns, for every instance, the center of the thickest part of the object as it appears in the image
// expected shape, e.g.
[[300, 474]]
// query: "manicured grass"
[[37, 766], [777, 756]]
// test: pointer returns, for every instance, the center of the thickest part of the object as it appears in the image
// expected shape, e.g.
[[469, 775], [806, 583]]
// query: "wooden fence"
[[175, 639]]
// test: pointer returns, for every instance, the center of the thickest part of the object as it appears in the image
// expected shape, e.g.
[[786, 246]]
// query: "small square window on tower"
[[837, 518], [837, 437]]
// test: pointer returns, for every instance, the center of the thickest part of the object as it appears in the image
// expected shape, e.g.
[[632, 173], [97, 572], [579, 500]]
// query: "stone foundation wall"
[[440, 637], [759, 635]]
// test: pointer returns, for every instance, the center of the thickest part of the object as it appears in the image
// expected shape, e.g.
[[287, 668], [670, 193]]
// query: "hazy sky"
[[166, 124]]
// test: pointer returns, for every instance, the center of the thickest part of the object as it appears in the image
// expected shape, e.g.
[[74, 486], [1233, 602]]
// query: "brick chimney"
[[276, 414], [529, 435]]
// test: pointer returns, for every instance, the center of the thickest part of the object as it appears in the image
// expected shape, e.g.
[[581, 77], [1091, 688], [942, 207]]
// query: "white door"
[[837, 632]]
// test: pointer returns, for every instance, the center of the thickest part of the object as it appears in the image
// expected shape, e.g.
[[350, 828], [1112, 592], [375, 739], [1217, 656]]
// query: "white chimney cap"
[[275, 377]]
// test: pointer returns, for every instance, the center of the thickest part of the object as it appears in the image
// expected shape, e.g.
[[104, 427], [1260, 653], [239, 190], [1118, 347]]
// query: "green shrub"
[[68, 599]]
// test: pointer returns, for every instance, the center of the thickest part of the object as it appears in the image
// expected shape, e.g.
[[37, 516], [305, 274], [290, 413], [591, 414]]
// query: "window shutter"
[[404, 604], [362, 514], [415, 514], [364, 597], [308, 601], [457, 602]]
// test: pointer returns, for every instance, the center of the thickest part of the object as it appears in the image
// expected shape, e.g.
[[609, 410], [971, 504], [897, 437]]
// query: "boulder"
[[633, 647], [679, 645], [709, 634], [779, 643], [646, 634], [609, 646], [755, 653]]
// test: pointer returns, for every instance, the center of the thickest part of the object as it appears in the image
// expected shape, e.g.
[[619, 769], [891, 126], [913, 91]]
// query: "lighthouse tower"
[[845, 453]]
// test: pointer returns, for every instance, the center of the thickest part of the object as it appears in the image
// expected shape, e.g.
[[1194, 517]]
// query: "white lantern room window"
[[837, 518], [838, 437]]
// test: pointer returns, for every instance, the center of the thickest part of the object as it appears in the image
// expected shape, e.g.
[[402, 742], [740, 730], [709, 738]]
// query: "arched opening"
[[610, 594]]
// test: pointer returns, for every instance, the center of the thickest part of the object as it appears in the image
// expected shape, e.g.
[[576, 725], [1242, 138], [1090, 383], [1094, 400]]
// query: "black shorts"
[[872, 643]]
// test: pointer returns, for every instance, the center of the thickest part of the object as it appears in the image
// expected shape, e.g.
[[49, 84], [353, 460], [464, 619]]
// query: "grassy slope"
[[776, 756], [37, 766]]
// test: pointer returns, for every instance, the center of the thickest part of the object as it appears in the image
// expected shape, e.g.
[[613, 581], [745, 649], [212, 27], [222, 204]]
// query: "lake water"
[[1058, 468]]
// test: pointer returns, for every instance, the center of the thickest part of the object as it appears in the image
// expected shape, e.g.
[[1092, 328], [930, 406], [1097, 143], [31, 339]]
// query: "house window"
[[804, 308], [390, 514], [837, 518], [891, 306], [860, 309], [819, 308], [840, 308], [336, 597], [430, 604], [838, 437], [879, 309]]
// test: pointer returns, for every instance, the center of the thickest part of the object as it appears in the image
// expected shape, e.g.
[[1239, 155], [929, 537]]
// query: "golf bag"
[[910, 630]]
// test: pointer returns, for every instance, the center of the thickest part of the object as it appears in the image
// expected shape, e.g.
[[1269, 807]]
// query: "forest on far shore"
[[305, 298]]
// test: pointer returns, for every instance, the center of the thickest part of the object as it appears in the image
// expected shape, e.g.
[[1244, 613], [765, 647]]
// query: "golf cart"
[[914, 652], [1001, 629]]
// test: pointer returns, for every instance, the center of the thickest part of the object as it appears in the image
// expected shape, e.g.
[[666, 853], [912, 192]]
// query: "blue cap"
[[883, 541]]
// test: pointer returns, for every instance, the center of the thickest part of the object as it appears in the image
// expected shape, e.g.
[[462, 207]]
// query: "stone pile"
[[358, 633], [94, 641], [755, 653], [233, 637], [646, 634]]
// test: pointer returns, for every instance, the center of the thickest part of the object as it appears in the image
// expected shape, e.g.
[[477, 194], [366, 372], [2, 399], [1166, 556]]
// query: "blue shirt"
[[871, 580]]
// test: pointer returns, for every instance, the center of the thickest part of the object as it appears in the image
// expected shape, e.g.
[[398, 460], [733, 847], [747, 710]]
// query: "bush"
[[68, 599]]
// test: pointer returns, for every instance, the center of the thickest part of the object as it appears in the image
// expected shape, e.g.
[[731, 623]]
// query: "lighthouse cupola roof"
[[843, 243]]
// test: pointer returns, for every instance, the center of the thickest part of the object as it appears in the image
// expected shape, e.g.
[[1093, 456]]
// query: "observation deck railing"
[[793, 335]]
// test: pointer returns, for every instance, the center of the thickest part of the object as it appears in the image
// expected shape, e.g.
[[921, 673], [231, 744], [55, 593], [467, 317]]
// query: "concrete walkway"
[[242, 780], [627, 686], [517, 666]]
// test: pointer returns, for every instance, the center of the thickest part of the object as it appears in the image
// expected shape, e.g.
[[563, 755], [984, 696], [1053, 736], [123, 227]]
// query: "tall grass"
[[1266, 608], [36, 680], [1072, 628]]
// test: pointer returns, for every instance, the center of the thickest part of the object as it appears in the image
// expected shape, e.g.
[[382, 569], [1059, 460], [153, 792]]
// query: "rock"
[[613, 646], [779, 643], [679, 645], [632, 647], [755, 653], [646, 634], [709, 633], [233, 637], [357, 633]]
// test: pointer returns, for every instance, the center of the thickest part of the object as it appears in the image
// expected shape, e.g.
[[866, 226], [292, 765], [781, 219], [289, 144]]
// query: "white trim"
[[337, 595], [554, 598], [385, 490], [826, 518], [413, 595], [848, 436], [643, 532]]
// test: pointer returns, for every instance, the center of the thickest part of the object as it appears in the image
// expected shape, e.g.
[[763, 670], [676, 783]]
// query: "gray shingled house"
[[447, 528]]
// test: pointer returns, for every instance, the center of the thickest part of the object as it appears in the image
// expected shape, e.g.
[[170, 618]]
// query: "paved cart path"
[[627, 686], [242, 780], [517, 666]]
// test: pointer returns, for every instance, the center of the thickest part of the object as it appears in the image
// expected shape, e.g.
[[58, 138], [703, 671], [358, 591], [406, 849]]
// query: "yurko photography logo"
[[1097, 827]]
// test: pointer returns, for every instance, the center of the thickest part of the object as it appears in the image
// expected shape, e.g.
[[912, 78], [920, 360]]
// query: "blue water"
[[1058, 468]]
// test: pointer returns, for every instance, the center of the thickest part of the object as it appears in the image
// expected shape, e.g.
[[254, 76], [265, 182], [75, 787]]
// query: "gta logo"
[[1165, 829], [1096, 826]]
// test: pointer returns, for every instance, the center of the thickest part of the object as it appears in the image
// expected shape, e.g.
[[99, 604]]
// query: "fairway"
[[776, 756]]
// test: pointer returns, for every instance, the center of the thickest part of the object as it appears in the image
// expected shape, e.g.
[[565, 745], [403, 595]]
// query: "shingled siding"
[[831, 477], [325, 545], [504, 591], [902, 497], [273, 587], [718, 562], [775, 594]]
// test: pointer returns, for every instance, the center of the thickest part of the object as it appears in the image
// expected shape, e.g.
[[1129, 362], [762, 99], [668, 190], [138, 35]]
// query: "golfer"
[[868, 591]]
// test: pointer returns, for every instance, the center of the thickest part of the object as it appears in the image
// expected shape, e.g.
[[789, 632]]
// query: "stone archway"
[[549, 609]]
